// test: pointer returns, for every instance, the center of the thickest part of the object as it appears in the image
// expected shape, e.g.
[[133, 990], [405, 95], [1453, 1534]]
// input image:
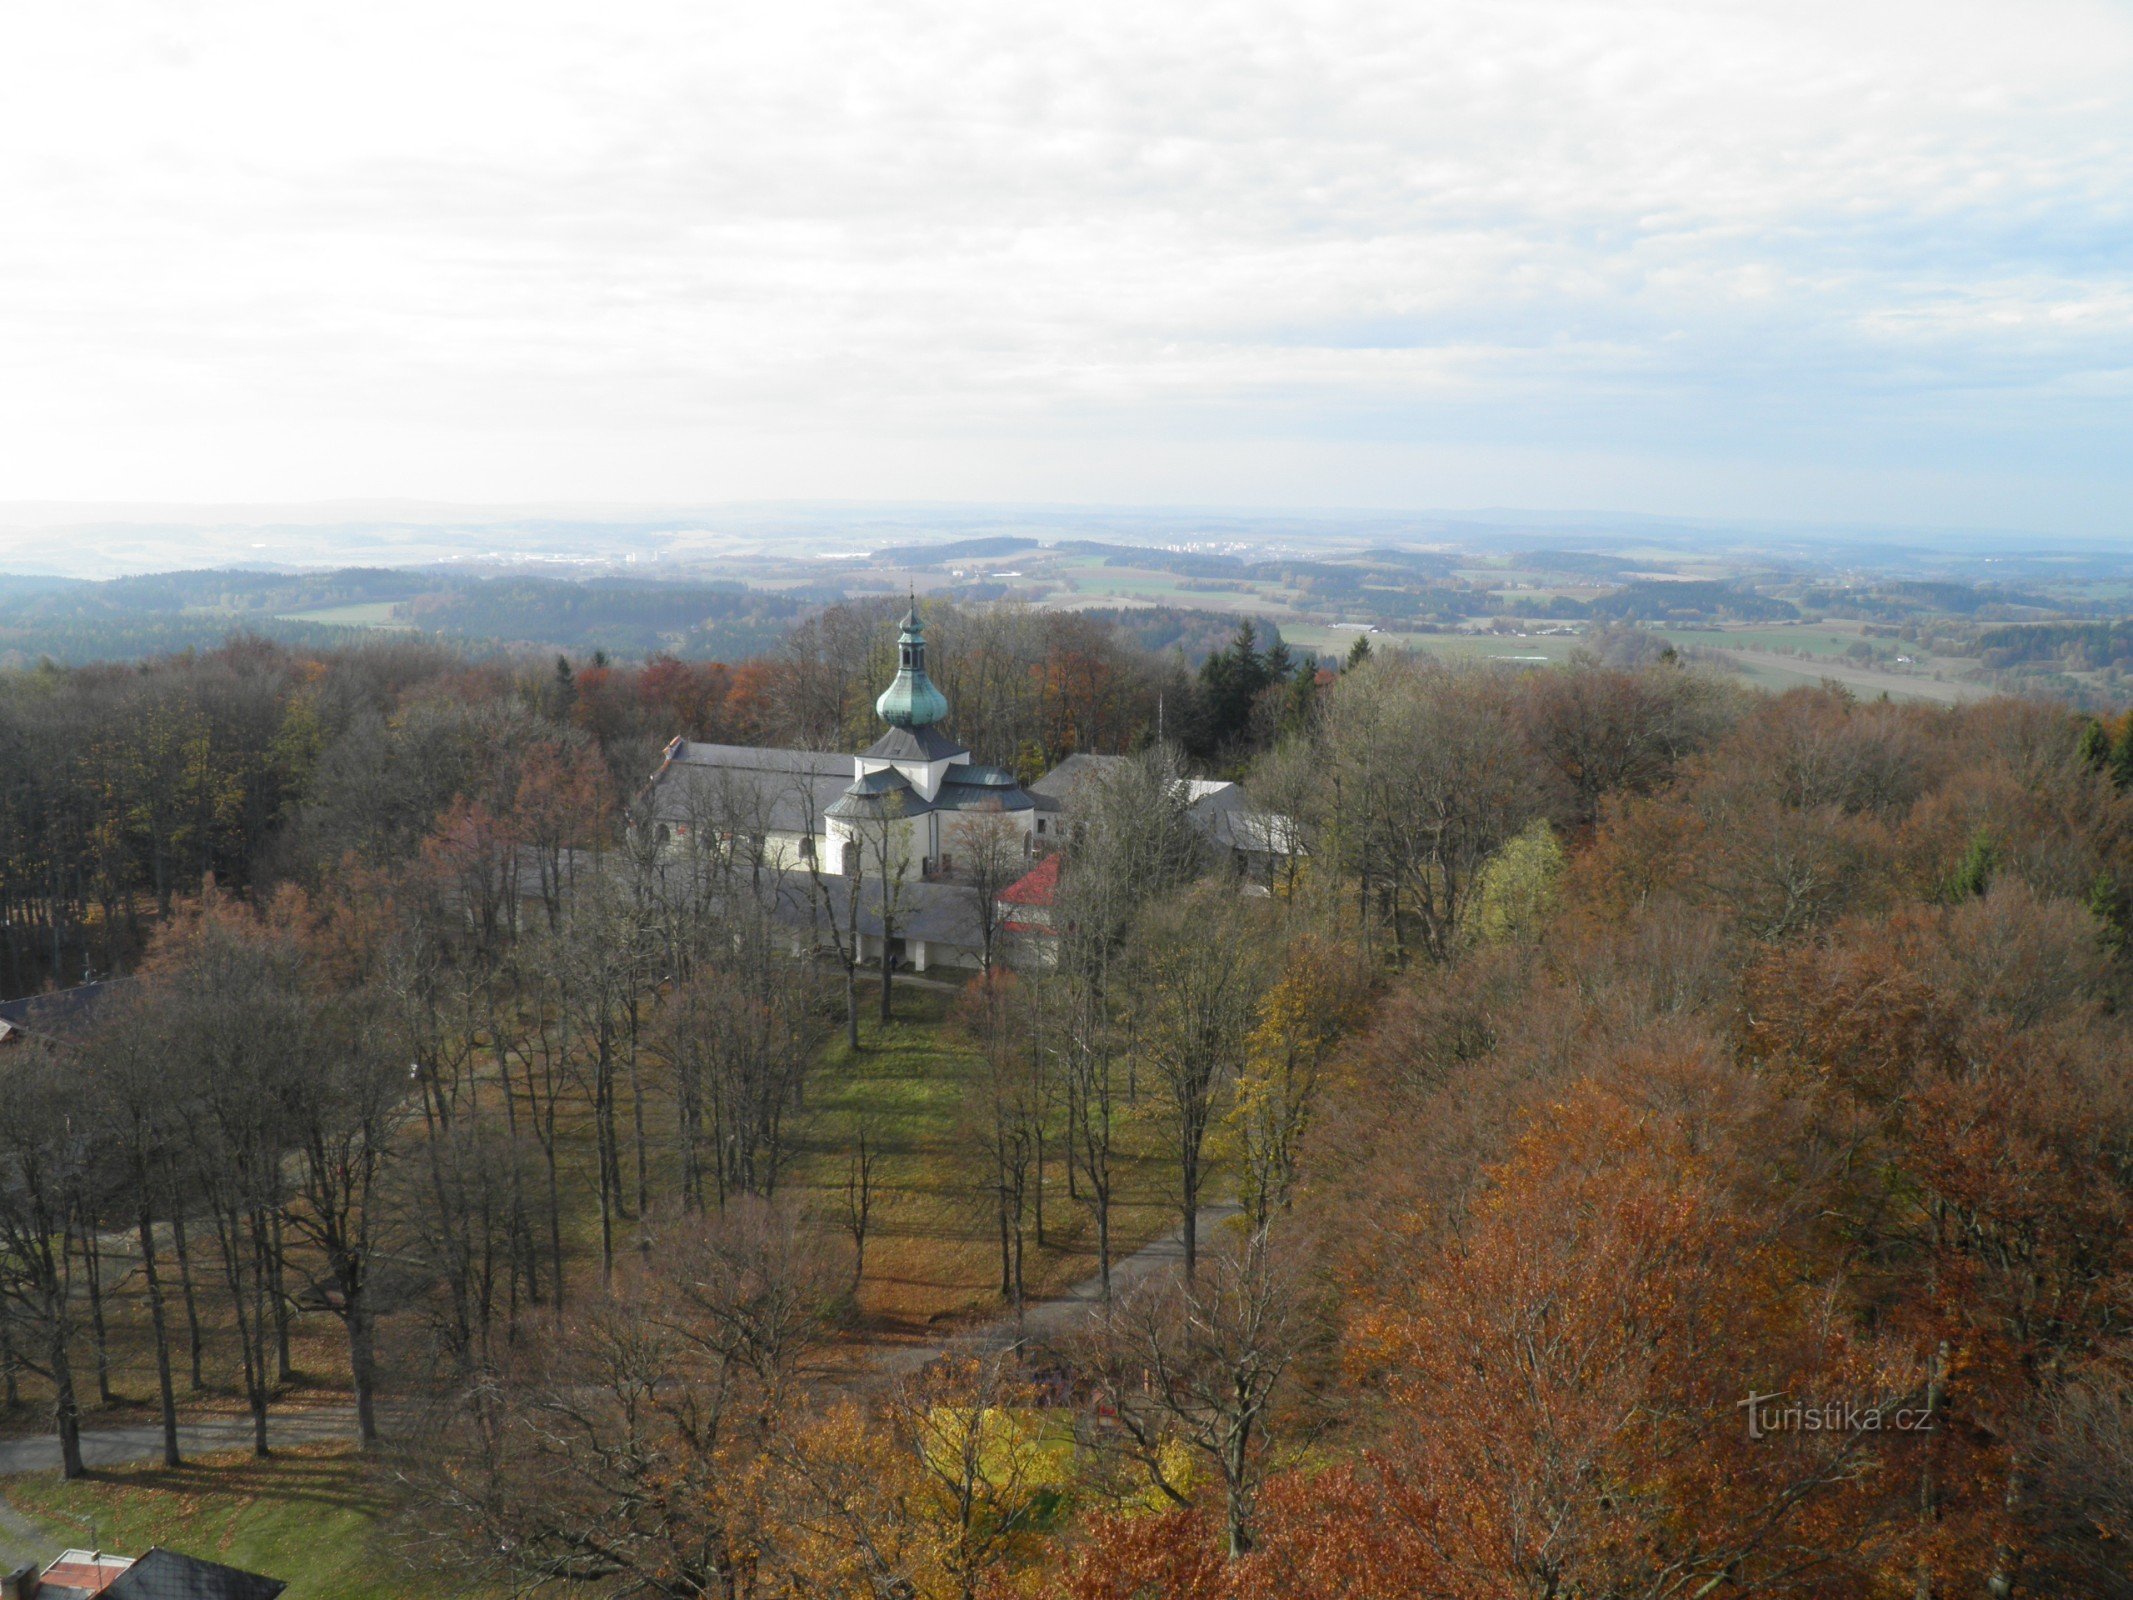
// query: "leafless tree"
[[1201, 962], [40, 1153], [630, 1453], [989, 852], [1201, 1362]]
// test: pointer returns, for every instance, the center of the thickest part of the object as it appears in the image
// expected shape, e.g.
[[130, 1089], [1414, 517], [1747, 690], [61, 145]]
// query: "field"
[[370, 614]]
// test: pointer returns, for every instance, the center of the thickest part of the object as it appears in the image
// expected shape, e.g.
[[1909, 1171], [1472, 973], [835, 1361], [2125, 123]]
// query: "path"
[[1048, 1319], [112, 1447]]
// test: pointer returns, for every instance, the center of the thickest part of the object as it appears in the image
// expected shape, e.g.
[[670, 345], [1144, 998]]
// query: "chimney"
[[21, 1584]]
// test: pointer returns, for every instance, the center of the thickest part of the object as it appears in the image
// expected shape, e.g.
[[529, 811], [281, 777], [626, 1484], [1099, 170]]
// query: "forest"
[[1650, 1138]]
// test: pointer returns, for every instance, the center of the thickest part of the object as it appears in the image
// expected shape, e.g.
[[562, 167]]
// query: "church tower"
[[911, 701]]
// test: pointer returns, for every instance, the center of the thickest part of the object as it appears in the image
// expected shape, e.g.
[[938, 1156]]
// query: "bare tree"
[[39, 1154], [1201, 963], [631, 1454], [990, 853], [1200, 1362]]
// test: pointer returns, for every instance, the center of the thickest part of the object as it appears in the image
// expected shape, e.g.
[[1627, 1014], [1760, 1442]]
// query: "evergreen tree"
[[1358, 653], [563, 694], [2107, 904], [1230, 684], [1973, 876], [2122, 756], [2095, 746]]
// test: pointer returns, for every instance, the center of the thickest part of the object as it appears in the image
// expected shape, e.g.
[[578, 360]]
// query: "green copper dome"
[[911, 701]]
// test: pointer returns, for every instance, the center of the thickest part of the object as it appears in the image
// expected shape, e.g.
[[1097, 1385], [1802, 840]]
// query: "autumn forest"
[[1645, 1138]]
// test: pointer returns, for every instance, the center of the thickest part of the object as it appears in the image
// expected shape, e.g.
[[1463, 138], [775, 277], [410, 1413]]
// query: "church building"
[[904, 806]]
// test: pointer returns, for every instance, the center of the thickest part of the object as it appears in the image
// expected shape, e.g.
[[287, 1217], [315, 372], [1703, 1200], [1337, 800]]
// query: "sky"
[[1792, 260]]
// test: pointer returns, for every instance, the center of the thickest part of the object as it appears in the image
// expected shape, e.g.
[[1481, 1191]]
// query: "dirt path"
[[112, 1447], [1050, 1319]]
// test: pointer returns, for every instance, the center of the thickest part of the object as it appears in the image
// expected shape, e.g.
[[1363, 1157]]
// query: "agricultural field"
[[368, 614]]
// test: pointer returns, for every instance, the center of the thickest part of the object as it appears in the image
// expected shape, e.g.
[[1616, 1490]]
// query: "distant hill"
[[933, 555], [73, 621], [1689, 601]]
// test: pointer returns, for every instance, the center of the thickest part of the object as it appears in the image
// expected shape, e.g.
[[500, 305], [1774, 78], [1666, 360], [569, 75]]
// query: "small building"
[[159, 1575]]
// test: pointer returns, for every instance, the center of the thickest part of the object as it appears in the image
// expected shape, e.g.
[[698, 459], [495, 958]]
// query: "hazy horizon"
[[1799, 263]]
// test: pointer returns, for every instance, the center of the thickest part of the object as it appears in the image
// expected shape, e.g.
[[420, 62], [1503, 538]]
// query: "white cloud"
[[1091, 251]]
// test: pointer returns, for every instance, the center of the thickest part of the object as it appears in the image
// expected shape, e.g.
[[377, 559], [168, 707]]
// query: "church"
[[901, 812], [908, 801]]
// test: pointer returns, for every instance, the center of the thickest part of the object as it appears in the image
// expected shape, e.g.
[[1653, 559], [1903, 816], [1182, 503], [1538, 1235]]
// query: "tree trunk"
[[363, 1369], [1189, 1182], [185, 1284], [92, 1262], [284, 1372], [66, 1414], [158, 1324]]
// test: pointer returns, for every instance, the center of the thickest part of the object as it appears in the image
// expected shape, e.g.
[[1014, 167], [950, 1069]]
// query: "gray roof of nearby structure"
[[937, 912], [1060, 783], [43, 1013], [750, 788], [165, 1575], [963, 794], [887, 793], [922, 743]]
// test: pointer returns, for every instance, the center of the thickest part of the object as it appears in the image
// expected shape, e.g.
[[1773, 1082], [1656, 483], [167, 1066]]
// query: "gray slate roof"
[[782, 791], [923, 743], [1059, 784], [165, 1575]]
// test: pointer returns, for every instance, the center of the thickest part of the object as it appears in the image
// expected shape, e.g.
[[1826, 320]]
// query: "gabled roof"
[[922, 743], [165, 1575], [746, 788], [1076, 770]]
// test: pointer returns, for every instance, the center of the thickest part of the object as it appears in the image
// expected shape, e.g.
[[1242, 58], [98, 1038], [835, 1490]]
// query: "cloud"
[[678, 251]]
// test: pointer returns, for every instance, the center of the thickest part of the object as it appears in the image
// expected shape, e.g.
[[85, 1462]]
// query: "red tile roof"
[[1037, 887], [83, 1570]]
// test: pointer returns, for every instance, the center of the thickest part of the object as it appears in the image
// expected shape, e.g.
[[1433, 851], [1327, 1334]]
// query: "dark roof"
[[886, 793], [922, 743], [1061, 782], [929, 909], [784, 791], [165, 1575], [958, 795], [41, 1013]]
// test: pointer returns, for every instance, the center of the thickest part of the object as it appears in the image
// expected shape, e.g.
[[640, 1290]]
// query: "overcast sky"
[[1861, 260]]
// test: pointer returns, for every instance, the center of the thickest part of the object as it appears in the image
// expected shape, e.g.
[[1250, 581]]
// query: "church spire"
[[911, 701]]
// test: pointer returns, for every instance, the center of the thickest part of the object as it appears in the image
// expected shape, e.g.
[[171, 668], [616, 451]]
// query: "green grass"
[[367, 614], [932, 1250], [312, 1516]]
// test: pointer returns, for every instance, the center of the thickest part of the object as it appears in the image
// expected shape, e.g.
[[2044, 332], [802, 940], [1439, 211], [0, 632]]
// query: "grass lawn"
[[933, 1245], [311, 1516]]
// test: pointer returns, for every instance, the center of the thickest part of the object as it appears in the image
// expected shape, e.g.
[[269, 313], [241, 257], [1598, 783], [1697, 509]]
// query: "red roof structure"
[[1037, 887]]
